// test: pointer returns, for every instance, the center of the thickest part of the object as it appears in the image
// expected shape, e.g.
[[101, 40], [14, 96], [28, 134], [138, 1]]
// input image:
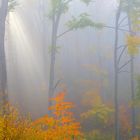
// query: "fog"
[[83, 62], [69, 69]]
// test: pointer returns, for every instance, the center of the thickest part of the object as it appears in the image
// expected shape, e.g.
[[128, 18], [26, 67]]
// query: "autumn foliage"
[[14, 126], [133, 43], [60, 125]]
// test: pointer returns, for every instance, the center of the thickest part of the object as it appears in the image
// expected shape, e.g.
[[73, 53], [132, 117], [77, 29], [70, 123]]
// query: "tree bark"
[[3, 71], [52, 63], [117, 125], [133, 111], [55, 20]]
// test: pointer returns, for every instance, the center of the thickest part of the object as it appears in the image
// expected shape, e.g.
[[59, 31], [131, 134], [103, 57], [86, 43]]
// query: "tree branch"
[[124, 71], [121, 46], [121, 54], [122, 20], [57, 83], [60, 35], [118, 28], [124, 25], [125, 64]]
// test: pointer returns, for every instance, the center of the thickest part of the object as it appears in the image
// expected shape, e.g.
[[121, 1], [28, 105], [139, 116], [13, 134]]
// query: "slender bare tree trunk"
[[55, 24], [52, 63], [133, 112], [3, 71], [117, 125]]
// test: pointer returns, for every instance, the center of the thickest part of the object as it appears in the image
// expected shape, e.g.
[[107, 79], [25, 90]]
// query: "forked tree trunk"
[[3, 71]]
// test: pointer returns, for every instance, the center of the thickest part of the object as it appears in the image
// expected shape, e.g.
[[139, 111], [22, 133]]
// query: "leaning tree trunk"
[[133, 113], [3, 72], [117, 127]]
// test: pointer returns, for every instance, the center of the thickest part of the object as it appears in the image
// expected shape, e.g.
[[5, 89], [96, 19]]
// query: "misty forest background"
[[86, 51]]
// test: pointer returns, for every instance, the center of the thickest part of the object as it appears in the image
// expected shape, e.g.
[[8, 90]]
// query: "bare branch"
[[124, 71], [123, 19], [110, 27], [60, 35], [121, 46], [124, 25], [57, 83], [121, 54], [120, 29], [125, 64]]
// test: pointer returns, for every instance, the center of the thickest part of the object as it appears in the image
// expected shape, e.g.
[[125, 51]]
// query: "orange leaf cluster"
[[61, 125]]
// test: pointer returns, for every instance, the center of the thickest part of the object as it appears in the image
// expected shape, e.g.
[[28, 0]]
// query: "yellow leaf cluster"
[[61, 125], [97, 108], [133, 43], [13, 126]]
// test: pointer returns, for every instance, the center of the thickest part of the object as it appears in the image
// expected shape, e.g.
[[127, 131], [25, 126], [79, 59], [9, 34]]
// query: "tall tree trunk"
[[44, 42], [56, 19], [133, 112], [133, 98], [52, 63], [3, 71], [117, 127]]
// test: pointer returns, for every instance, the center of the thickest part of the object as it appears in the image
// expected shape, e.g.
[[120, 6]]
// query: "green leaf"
[[82, 21], [11, 5], [56, 6], [87, 1]]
